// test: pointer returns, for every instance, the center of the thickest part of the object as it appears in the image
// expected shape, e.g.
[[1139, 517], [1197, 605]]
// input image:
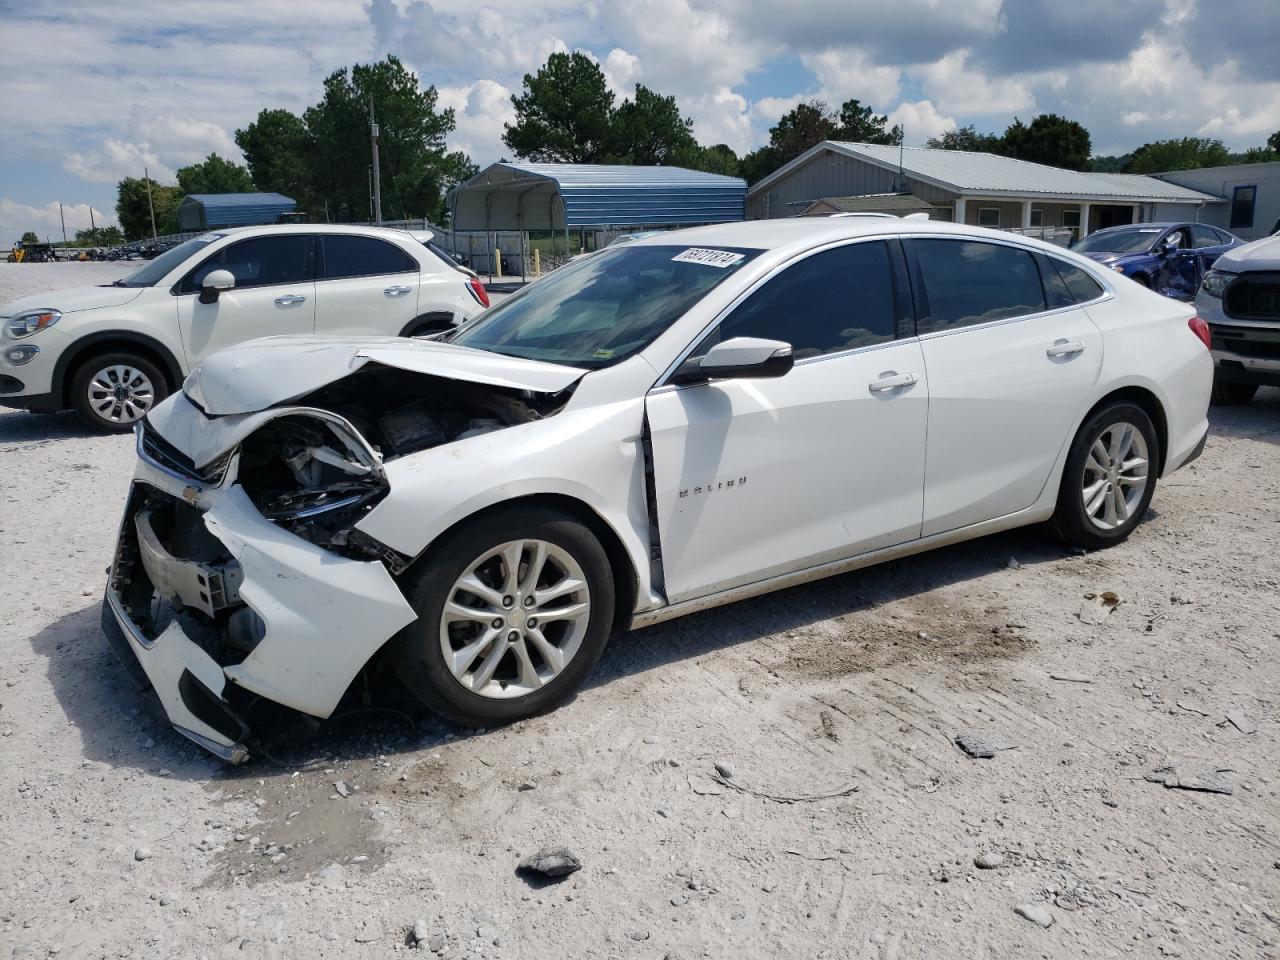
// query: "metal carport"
[[571, 196]]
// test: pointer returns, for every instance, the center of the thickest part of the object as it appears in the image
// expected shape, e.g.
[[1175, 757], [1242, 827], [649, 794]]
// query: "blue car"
[[1170, 258]]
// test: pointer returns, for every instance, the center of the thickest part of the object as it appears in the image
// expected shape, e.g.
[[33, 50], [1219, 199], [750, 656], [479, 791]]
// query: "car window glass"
[[968, 282], [1080, 286], [1222, 235], [259, 262], [1205, 237], [839, 299], [352, 256], [1177, 239]]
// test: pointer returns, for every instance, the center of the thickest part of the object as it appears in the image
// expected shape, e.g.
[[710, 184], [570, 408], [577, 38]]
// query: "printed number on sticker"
[[708, 258]]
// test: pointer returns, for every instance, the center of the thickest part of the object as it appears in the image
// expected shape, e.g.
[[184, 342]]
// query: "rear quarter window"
[[1065, 284], [355, 256]]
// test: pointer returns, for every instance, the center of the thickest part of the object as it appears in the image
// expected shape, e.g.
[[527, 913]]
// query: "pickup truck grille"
[[1255, 296]]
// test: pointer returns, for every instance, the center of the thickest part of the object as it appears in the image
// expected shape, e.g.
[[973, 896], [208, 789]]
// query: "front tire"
[[113, 391], [1228, 394], [1109, 477], [514, 610]]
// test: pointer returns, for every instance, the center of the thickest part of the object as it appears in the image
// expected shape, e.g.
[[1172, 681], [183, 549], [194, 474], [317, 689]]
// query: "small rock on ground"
[[1034, 912], [988, 861], [551, 862]]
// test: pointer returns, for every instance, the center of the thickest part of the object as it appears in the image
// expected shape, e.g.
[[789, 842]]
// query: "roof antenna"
[[902, 180]]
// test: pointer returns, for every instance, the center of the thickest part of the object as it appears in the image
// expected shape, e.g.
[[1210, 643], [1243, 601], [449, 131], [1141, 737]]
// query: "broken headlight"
[[312, 475]]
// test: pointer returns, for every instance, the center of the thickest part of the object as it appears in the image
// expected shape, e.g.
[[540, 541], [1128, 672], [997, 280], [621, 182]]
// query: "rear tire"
[[1109, 477], [515, 644], [1229, 394], [113, 391]]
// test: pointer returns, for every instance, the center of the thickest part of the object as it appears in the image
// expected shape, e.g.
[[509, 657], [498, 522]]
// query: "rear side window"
[[969, 282], [352, 256], [1065, 284], [1205, 236], [259, 262], [839, 299]]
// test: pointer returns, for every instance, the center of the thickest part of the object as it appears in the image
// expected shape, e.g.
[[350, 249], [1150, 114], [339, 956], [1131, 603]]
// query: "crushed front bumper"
[[219, 610]]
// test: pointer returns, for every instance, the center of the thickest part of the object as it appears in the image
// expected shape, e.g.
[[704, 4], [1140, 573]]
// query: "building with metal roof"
[[982, 189], [207, 211], [897, 204], [574, 196]]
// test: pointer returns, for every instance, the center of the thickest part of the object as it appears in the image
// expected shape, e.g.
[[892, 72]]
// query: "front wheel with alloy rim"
[[1109, 477], [113, 391], [513, 609]]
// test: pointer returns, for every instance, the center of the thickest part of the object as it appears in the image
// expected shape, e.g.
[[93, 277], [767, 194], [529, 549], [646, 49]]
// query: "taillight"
[[1201, 330], [478, 291]]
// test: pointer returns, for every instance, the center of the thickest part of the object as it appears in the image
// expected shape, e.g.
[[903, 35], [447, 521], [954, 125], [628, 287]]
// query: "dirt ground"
[[119, 839]]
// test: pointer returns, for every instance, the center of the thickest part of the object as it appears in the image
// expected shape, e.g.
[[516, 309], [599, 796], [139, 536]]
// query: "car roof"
[[334, 228], [803, 232]]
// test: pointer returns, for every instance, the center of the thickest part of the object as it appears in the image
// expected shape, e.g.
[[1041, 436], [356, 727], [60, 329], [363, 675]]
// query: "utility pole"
[[64, 222], [146, 178], [92, 225], [377, 173]]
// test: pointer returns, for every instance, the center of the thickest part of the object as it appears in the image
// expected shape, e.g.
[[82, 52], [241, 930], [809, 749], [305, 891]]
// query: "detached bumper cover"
[[321, 616]]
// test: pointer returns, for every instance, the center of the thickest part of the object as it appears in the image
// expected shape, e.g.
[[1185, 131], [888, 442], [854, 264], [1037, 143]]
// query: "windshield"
[[157, 269], [604, 307], [1118, 241]]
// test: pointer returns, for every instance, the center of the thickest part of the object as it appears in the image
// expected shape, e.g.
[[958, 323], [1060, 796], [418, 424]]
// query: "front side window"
[[353, 256], [258, 262], [836, 300], [970, 281], [606, 306]]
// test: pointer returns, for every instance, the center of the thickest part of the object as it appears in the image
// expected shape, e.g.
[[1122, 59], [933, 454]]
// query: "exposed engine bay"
[[317, 471]]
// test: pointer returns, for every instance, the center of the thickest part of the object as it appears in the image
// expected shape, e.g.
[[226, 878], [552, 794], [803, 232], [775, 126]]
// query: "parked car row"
[[667, 425]]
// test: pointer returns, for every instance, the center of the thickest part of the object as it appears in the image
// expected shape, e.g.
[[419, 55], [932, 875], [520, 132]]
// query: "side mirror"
[[740, 358], [215, 283], [1168, 247]]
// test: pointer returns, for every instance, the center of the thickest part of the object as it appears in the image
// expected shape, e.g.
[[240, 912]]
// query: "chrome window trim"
[[1108, 293]]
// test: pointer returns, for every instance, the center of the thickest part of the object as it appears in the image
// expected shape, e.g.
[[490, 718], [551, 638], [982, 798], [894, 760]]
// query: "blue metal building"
[[207, 211], [573, 196]]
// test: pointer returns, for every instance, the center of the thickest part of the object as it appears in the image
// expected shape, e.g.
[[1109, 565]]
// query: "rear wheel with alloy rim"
[[513, 612], [114, 391], [1109, 478]]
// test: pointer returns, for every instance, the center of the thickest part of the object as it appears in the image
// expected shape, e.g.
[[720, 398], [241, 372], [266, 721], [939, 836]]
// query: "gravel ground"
[[118, 839]]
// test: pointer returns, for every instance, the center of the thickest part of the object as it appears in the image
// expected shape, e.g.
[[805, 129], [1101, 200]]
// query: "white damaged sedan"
[[671, 424]]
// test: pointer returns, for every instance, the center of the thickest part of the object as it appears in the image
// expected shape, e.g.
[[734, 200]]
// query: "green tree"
[[1255, 155], [564, 114], [215, 175], [759, 163], [133, 212], [966, 138], [859, 124], [30, 237], [805, 125], [416, 168], [277, 148], [1108, 164], [1048, 139], [648, 129], [1273, 141], [1189, 153], [718, 158], [98, 237]]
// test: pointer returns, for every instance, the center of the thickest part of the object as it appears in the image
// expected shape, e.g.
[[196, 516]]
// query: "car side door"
[[1209, 245], [273, 294], [1178, 273], [365, 285], [758, 478], [1012, 358]]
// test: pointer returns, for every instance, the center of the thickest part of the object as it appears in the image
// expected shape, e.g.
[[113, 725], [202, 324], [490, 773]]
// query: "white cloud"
[[17, 218], [480, 110], [846, 72], [721, 116], [957, 87], [115, 160], [920, 121], [621, 71]]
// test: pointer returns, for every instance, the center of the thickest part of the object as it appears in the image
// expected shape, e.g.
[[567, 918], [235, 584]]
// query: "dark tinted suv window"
[[835, 300], [351, 256], [1065, 284], [968, 282], [259, 262]]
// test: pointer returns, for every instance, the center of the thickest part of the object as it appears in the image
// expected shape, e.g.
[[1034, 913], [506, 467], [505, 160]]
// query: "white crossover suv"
[[111, 353], [667, 425]]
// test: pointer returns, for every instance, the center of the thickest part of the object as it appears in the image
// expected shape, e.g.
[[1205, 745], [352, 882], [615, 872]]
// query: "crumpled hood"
[[69, 301], [1262, 254], [257, 374]]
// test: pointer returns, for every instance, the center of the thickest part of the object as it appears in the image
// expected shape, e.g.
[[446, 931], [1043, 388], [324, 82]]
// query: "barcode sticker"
[[708, 258]]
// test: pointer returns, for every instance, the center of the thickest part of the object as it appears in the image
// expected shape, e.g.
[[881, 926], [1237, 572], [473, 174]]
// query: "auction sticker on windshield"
[[708, 258]]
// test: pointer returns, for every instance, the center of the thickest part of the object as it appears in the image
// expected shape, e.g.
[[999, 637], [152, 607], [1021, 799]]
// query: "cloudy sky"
[[95, 90]]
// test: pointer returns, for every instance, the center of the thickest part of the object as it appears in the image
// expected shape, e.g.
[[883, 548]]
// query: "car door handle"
[[891, 381], [289, 299], [396, 291], [1065, 348]]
